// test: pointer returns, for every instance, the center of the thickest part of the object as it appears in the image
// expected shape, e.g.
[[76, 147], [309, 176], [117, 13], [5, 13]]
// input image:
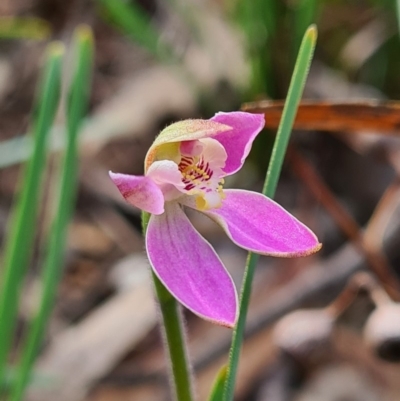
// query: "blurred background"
[[317, 329]]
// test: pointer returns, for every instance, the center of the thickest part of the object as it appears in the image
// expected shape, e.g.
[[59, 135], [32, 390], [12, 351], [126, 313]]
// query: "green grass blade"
[[259, 20], [278, 153], [19, 242], [76, 108], [135, 23], [217, 391], [295, 93]]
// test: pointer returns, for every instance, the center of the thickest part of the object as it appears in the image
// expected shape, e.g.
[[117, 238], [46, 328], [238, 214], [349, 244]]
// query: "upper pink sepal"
[[140, 191], [238, 140], [260, 225], [189, 267]]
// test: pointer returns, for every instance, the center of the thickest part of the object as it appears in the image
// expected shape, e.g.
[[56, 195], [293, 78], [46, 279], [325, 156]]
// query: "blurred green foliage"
[[23, 228], [18, 247]]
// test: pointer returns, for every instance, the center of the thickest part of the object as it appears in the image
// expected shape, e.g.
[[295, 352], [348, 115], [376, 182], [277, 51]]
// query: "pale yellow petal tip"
[[313, 250], [189, 130], [304, 254]]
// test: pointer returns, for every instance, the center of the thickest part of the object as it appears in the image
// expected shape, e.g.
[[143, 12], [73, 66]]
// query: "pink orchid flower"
[[186, 166]]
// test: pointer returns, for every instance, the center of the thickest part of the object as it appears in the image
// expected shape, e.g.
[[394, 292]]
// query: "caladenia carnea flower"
[[185, 167]]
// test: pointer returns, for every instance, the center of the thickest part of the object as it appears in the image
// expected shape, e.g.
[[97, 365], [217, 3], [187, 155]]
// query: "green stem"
[[174, 335], [275, 166]]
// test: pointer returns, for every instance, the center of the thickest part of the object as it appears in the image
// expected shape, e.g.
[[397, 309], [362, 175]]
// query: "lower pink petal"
[[259, 224], [140, 191], [238, 140], [189, 267]]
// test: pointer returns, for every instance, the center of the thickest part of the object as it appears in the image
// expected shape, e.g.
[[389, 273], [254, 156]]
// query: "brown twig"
[[335, 116]]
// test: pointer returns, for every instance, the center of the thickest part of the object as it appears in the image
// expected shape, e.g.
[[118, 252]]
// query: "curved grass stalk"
[[275, 166]]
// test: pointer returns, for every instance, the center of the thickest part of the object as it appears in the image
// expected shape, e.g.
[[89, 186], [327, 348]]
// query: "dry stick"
[[351, 116], [376, 259]]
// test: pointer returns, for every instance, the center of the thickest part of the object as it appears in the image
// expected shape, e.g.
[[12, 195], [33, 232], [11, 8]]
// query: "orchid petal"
[[140, 191], [238, 140], [189, 267], [258, 224]]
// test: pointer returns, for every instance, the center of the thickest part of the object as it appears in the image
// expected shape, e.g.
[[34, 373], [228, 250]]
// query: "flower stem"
[[174, 335], [274, 169]]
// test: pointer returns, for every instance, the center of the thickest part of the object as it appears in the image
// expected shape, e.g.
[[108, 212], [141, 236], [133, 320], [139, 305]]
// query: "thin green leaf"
[[278, 153], [135, 23], [295, 93], [19, 242], [258, 20], [76, 109], [217, 391]]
